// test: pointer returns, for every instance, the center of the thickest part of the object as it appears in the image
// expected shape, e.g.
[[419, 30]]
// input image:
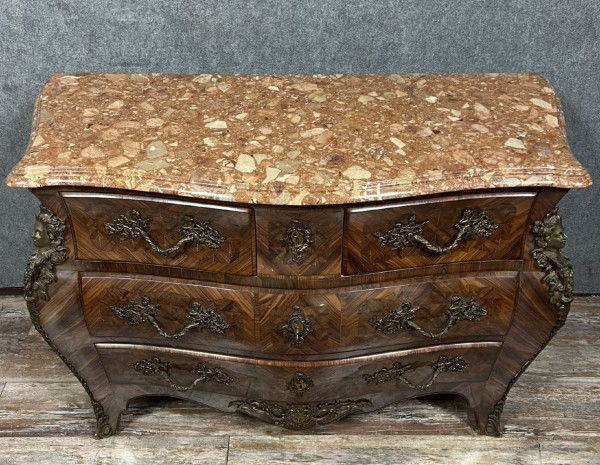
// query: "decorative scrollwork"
[[48, 239], [299, 416], [297, 240], [142, 311], [299, 384], [155, 366], [471, 222], [132, 225], [402, 318], [297, 326], [550, 238], [398, 370]]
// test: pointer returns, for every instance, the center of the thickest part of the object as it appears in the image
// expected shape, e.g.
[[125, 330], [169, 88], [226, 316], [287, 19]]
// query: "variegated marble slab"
[[298, 139]]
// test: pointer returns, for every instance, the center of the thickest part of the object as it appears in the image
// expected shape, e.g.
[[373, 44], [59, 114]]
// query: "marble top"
[[298, 139]]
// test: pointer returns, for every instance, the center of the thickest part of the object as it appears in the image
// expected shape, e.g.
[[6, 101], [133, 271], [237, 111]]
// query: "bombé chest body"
[[298, 248]]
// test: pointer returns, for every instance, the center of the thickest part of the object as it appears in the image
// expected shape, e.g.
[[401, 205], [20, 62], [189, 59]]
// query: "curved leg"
[[521, 346], [50, 288], [108, 412]]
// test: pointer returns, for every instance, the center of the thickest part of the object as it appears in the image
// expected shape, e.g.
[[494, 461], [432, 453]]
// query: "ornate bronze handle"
[[297, 240], [297, 326], [472, 222], [155, 366], [299, 416], [136, 313], [132, 225], [397, 372], [402, 318]]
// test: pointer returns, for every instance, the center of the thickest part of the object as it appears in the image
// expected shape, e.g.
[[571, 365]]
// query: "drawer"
[[162, 232], [173, 371], [407, 372], [180, 313], [418, 312], [167, 311], [433, 231], [299, 241]]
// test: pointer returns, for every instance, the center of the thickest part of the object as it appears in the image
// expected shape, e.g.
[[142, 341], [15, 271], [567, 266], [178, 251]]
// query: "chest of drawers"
[[298, 248]]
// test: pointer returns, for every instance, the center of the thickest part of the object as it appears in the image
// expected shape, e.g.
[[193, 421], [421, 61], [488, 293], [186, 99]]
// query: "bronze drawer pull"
[[299, 416], [297, 240], [297, 326], [132, 225], [397, 372], [402, 318], [136, 313], [471, 222], [155, 366]]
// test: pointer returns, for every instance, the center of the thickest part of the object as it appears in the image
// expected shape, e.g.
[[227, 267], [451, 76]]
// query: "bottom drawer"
[[193, 374]]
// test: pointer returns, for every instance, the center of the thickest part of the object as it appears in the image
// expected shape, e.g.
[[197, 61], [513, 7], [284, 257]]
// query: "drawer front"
[[177, 372], [420, 233], [416, 313], [162, 232], [299, 323], [445, 309], [299, 241], [411, 372], [167, 311]]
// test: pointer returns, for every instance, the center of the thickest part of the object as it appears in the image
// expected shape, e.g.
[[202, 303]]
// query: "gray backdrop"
[[559, 38]]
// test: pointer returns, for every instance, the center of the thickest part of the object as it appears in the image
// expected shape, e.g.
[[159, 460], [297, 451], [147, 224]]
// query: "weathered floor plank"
[[148, 450], [419, 450], [551, 416]]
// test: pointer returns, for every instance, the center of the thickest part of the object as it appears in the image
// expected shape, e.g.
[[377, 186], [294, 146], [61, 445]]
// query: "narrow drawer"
[[299, 241], [410, 372], [418, 312], [162, 232], [161, 310], [433, 231]]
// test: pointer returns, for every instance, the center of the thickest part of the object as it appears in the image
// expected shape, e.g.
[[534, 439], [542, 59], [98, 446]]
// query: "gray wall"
[[559, 38]]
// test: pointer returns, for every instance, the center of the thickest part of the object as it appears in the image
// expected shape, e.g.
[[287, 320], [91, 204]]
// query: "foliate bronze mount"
[[550, 239], [142, 311], [155, 366], [299, 384], [48, 239], [50, 251], [297, 326], [472, 222], [133, 225], [402, 318], [297, 240], [398, 370], [299, 416]]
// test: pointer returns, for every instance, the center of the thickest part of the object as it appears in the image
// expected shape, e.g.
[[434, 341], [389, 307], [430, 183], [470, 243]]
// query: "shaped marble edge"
[[348, 180]]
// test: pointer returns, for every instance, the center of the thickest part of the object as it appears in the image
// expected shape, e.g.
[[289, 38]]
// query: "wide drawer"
[[437, 230], [162, 232], [165, 310], [413, 312], [412, 372], [183, 313]]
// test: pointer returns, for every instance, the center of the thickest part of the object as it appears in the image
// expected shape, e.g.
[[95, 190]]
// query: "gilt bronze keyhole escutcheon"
[[299, 384], [297, 326], [297, 240]]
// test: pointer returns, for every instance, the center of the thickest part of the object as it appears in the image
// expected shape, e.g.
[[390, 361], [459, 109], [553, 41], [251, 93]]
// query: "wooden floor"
[[552, 416]]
